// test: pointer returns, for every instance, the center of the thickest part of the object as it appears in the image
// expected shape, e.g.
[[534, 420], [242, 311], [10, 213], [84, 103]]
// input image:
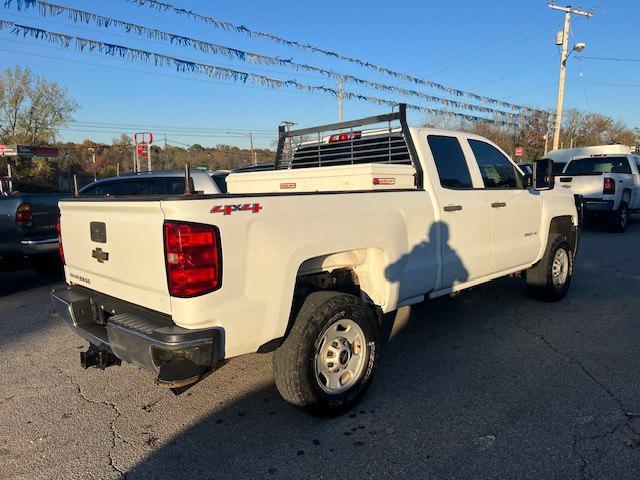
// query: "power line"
[[167, 127], [241, 29], [612, 59], [458, 58], [533, 89], [213, 71], [482, 57], [47, 9], [515, 73]]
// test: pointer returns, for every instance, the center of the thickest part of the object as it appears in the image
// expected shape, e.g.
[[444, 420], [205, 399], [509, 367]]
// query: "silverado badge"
[[99, 255]]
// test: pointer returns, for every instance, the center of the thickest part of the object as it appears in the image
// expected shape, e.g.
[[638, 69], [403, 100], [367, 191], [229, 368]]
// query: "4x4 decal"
[[243, 207]]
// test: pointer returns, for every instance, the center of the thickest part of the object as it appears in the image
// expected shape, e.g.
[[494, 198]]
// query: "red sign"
[[142, 149], [143, 138], [519, 151]]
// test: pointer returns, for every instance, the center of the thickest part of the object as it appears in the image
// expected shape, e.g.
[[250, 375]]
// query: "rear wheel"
[[620, 218], [328, 360], [549, 279]]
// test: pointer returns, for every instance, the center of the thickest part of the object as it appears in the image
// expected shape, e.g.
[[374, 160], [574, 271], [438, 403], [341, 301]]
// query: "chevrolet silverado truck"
[[28, 232], [306, 259], [606, 186]]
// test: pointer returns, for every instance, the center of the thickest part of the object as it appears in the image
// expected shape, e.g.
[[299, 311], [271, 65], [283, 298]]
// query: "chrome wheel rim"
[[624, 216], [340, 357], [560, 268]]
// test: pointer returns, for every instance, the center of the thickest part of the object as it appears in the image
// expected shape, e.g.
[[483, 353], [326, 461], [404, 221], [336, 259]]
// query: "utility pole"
[[10, 177], [340, 100], [93, 158], [563, 62], [288, 126], [253, 157], [166, 157]]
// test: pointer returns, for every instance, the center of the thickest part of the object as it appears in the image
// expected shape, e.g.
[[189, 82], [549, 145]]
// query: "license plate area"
[[98, 232]]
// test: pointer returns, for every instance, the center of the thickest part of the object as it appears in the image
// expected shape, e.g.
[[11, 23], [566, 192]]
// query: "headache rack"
[[309, 147]]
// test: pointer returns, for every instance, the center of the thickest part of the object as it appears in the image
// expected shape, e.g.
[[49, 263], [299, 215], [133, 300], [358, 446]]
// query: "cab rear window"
[[598, 165]]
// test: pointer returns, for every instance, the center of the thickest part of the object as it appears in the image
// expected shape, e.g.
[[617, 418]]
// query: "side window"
[[134, 187], [103, 188], [450, 161], [497, 171], [166, 186]]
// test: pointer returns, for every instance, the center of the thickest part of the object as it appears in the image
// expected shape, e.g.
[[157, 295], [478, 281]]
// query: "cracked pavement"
[[488, 384]]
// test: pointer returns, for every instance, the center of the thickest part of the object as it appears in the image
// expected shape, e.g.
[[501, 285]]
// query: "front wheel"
[[328, 360], [549, 279]]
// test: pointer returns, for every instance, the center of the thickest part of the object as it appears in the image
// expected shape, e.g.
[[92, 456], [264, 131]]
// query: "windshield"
[[598, 165]]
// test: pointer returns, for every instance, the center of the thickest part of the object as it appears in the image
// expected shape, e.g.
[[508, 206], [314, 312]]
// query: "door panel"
[[514, 212], [515, 223], [464, 228], [465, 235]]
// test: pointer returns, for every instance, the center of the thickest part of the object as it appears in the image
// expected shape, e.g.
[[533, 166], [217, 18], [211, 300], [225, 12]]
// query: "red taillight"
[[60, 249], [23, 215], [609, 186], [344, 137], [193, 257]]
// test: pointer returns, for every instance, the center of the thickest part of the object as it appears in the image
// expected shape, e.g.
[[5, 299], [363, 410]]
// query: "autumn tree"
[[32, 109]]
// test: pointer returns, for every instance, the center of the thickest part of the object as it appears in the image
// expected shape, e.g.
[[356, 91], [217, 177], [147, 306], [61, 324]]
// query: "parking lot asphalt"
[[488, 384]]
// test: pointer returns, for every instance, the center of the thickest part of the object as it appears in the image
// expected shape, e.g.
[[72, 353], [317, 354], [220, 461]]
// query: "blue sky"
[[502, 49]]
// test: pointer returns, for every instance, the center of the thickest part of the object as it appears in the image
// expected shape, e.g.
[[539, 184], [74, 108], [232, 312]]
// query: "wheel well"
[[564, 226], [343, 280]]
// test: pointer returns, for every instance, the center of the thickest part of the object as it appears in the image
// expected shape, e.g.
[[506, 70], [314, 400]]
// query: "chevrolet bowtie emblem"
[[99, 255]]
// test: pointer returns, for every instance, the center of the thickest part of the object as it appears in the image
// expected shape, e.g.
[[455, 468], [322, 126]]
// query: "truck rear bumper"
[[592, 205], [139, 336], [39, 247]]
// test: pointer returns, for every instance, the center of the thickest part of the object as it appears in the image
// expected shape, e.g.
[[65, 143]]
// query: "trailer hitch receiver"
[[99, 358]]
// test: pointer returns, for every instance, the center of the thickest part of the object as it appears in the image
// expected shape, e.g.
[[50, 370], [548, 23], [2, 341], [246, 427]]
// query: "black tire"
[[294, 362], [47, 265], [540, 278], [620, 218]]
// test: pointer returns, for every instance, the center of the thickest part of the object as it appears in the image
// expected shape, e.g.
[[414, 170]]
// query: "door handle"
[[498, 204], [452, 208]]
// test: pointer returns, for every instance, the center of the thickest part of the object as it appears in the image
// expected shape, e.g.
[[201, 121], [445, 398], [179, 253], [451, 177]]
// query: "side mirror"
[[543, 178]]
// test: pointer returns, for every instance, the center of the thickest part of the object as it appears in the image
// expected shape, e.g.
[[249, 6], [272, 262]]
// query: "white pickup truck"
[[306, 259], [605, 185]]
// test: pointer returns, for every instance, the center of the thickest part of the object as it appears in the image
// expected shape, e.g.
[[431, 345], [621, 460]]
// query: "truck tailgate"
[[589, 186], [116, 248]]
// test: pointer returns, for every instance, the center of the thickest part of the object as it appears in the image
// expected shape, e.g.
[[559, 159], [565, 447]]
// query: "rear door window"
[[496, 169], [450, 161], [135, 187], [166, 186], [103, 188]]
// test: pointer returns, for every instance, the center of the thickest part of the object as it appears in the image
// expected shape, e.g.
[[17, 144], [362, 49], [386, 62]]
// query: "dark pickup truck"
[[28, 232]]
